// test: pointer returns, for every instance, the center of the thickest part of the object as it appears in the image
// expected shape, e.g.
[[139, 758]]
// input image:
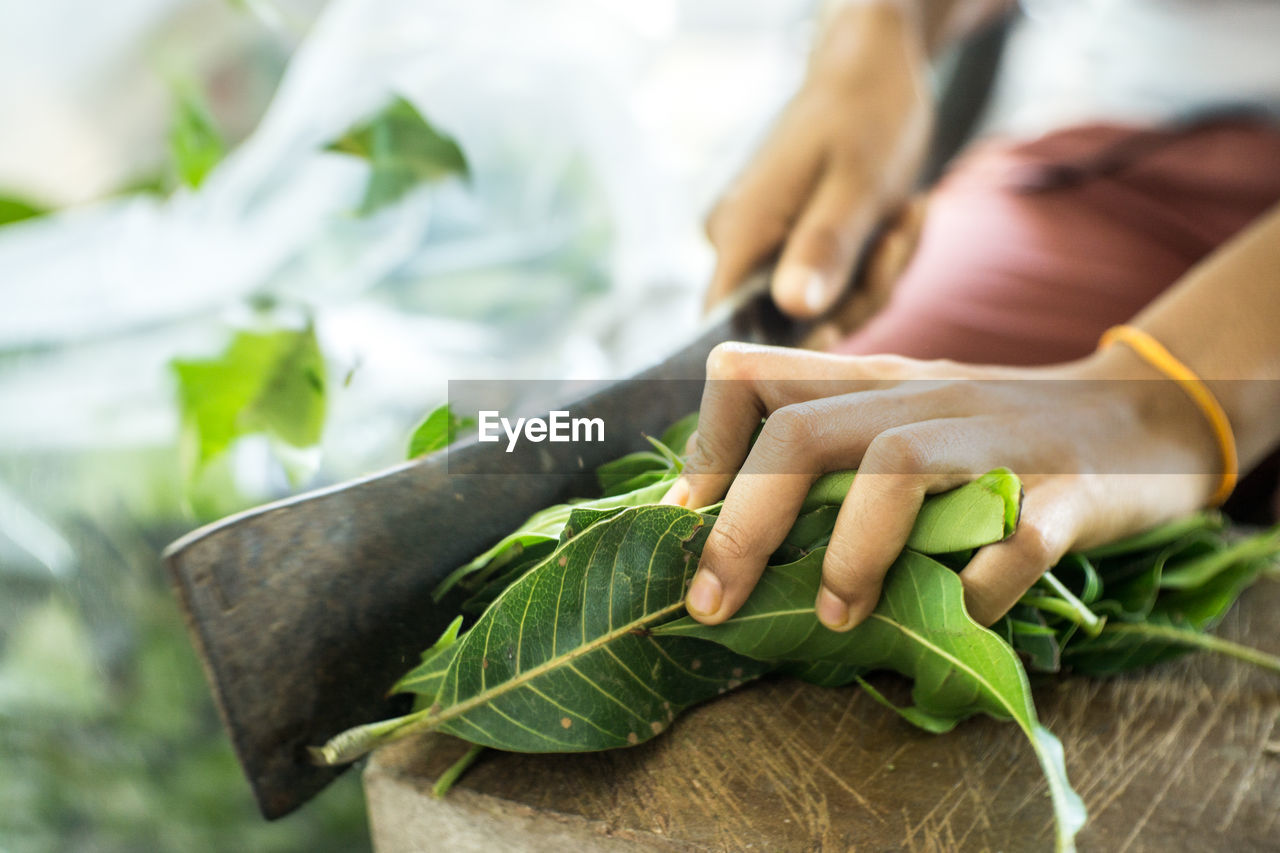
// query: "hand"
[[843, 154], [1100, 455], [885, 262]]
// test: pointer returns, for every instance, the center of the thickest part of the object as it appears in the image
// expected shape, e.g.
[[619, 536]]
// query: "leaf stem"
[[1064, 603], [456, 769], [1195, 639], [353, 743]]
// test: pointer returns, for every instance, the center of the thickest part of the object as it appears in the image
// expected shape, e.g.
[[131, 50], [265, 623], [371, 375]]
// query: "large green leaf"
[[403, 150], [920, 628], [565, 661]]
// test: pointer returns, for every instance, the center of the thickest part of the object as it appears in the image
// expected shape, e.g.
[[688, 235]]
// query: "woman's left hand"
[[1105, 447]]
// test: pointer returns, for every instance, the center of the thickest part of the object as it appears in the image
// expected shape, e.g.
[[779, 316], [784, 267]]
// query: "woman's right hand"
[[843, 155]]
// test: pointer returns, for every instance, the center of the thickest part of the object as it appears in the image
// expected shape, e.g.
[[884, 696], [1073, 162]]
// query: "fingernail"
[[805, 283], [832, 611], [704, 594], [678, 494], [815, 294]]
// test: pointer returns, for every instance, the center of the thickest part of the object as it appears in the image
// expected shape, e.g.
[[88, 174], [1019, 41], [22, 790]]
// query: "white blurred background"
[[598, 132]]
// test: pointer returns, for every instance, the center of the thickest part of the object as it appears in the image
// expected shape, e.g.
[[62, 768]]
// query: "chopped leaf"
[[264, 382], [564, 660], [403, 150], [438, 430], [195, 145]]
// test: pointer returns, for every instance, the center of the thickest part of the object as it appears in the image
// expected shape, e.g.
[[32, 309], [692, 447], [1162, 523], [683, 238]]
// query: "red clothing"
[[1030, 250]]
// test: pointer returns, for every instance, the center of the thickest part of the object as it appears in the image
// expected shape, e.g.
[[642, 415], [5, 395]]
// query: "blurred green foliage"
[[439, 429], [270, 381], [15, 209], [403, 150], [109, 740], [195, 145]]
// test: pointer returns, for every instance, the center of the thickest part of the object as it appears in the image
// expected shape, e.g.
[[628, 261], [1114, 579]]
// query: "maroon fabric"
[[1031, 250]]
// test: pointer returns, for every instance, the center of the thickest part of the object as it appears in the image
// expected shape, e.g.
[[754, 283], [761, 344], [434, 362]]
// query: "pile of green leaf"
[[578, 639]]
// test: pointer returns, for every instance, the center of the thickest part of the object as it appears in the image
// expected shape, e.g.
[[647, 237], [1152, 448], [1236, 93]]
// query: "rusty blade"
[[305, 611]]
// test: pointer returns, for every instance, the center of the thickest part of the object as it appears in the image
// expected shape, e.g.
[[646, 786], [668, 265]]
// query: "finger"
[[728, 416], [798, 443], [759, 509], [901, 465], [887, 260], [752, 219], [817, 263], [1053, 513], [853, 312], [747, 382], [894, 250]]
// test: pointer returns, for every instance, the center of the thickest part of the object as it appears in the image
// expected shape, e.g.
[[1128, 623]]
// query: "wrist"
[[1160, 412]]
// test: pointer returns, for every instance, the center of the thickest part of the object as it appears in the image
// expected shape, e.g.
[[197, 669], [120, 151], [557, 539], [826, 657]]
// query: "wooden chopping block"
[[1184, 756]]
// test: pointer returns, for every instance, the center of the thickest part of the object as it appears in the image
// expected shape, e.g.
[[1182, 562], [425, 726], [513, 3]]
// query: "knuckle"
[[886, 367], [703, 458], [901, 451], [791, 427], [729, 540], [1035, 548], [954, 397], [729, 360]]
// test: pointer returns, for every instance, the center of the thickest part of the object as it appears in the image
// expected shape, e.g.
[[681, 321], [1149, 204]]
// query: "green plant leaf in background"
[[270, 382], [403, 150], [438, 430], [563, 660], [15, 209], [195, 145], [920, 628]]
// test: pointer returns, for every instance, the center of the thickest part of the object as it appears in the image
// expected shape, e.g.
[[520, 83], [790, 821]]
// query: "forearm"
[[1222, 319], [849, 25]]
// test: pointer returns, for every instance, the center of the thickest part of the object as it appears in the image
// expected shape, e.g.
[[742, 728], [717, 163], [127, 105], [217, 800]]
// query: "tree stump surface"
[[1184, 756]]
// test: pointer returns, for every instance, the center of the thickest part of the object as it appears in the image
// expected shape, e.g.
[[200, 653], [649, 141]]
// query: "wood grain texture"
[[1185, 756]]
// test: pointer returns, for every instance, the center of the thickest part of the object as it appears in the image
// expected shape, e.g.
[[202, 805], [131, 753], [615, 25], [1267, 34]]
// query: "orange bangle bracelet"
[[1154, 353]]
